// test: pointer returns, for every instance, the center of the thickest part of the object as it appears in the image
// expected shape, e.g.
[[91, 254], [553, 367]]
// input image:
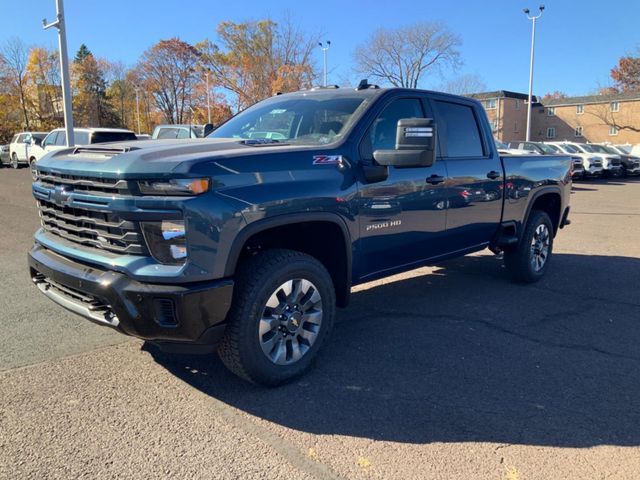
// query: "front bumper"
[[189, 313]]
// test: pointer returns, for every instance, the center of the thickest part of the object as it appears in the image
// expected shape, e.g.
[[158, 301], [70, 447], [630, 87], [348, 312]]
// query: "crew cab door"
[[475, 182], [401, 217]]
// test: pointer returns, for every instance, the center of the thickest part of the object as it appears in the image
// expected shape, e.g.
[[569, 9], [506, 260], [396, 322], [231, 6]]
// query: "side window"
[[21, 138], [81, 138], [50, 140], [183, 133], [458, 130], [382, 133], [61, 139], [165, 133]]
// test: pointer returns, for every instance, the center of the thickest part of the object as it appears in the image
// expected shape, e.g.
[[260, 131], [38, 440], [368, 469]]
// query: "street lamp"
[[138, 109], [64, 69], [208, 97], [533, 18], [325, 47]]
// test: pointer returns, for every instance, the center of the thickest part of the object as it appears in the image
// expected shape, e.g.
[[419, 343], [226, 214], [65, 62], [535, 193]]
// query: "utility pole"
[[533, 43], [138, 109], [208, 98], [325, 47], [64, 69]]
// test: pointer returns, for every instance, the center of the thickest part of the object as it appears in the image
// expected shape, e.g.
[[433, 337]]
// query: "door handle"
[[435, 179], [493, 175]]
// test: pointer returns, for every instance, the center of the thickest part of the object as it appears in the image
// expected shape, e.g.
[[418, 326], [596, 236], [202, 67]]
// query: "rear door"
[[402, 219], [475, 176]]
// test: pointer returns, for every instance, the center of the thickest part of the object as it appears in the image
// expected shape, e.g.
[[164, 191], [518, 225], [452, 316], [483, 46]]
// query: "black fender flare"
[[532, 200], [287, 219]]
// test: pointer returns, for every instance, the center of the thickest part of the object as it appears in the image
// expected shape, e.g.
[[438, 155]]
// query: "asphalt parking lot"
[[444, 372]]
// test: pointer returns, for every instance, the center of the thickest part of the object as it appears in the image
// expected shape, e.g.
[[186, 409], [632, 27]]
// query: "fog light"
[[167, 241]]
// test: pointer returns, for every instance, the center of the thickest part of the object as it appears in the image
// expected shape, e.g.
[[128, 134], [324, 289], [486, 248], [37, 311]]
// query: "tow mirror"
[[415, 144]]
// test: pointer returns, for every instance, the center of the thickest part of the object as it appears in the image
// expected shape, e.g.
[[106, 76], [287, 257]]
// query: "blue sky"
[[575, 46]]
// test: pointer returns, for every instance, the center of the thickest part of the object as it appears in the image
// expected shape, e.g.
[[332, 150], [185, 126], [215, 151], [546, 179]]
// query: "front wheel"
[[282, 312], [14, 161], [34, 171], [529, 260]]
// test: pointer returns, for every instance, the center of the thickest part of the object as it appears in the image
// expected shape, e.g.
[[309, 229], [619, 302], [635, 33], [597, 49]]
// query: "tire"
[[32, 168], [268, 356], [529, 260], [14, 161]]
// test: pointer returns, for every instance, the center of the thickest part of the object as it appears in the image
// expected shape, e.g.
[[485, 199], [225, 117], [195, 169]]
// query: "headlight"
[[166, 240], [180, 186]]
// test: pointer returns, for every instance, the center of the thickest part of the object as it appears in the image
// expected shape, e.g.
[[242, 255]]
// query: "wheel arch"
[[323, 235], [548, 200]]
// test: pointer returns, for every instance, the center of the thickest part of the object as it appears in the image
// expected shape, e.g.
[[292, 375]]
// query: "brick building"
[[594, 118]]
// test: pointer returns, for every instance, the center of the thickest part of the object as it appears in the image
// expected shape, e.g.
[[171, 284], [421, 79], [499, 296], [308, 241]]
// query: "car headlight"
[[167, 241], [178, 186]]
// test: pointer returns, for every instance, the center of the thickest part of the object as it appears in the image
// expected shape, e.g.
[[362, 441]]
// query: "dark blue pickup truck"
[[248, 239]]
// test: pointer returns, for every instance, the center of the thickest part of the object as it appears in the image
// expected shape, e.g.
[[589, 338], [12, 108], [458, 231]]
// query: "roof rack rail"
[[325, 87], [364, 85]]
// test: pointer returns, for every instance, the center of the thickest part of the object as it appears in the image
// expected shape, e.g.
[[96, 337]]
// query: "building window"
[[515, 126], [490, 104], [494, 125], [517, 102], [551, 111], [615, 106], [613, 130], [578, 132], [551, 132], [579, 109]]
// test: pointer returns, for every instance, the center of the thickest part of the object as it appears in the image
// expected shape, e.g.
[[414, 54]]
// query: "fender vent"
[[165, 312]]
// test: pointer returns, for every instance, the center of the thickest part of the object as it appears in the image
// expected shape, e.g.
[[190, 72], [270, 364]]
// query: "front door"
[[402, 218]]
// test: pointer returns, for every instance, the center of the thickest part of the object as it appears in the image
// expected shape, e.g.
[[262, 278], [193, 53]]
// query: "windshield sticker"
[[327, 159], [276, 111]]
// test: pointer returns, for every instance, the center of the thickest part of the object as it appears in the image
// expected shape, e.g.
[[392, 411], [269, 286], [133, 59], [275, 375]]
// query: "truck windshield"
[[546, 149], [570, 148], [314, 119]]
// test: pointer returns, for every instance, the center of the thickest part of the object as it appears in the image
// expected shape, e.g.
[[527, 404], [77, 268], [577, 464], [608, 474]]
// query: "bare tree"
[[464, 85], [620, 120], [16, 57], [404, 55]]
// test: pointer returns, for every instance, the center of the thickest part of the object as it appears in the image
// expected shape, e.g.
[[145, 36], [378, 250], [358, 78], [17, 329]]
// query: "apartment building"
[[507, 112], [596, 118], [611, 118]]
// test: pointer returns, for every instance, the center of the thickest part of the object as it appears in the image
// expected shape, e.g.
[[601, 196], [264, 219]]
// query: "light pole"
[[64, 69], [533, 18], [138, 109], [325, 47], [208, 97]]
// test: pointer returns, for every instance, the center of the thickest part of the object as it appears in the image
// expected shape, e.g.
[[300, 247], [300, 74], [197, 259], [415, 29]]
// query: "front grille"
[[102, 230], [615, 163], [86, 185], [596, 163]]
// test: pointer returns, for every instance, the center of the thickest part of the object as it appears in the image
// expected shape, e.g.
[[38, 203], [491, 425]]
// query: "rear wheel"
[[529, 260], [282, 312]]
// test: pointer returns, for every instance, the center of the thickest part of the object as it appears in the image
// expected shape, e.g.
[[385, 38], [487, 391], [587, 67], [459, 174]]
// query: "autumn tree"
[[168, 71], [14, 62], [555, 95], [43, 87], [403, 56], [626, 74], [91, 106], [255, 60]]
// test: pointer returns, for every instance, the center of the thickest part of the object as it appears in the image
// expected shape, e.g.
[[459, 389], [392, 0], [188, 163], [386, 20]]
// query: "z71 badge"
[[327, 159]]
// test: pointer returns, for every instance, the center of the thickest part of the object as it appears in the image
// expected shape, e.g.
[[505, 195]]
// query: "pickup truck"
[[246, 241]]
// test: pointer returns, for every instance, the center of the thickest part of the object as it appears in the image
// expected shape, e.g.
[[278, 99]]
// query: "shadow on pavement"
[[463, 355]]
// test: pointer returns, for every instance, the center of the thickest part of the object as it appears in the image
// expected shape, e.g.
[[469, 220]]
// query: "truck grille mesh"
[[102, 230]]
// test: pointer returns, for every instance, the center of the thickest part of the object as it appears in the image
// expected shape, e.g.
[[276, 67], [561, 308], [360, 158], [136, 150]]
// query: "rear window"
[[459, 130], [172, 133], [81, 138], [104, 137]]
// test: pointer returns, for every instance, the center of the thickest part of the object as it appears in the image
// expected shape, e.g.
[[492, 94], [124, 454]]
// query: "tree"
[[554, 96], [43, 87], [91, 104], [169, 72], [15, 58], [464, 85], [626, 74], [403, 56], [258, 59]]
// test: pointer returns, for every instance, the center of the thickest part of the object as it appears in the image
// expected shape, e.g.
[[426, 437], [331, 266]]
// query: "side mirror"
[[208, 128], [415, 145]]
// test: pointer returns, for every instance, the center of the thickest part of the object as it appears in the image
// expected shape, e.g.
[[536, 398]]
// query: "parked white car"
[[612, 164], [21, 145], [57, 139], [504, 149], [592, 163]]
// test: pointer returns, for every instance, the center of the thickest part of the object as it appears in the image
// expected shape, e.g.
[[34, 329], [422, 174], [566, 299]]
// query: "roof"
[[499, 94], [620, 97], [95, 129]]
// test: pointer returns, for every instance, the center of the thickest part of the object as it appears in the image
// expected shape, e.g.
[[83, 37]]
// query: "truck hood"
[[151, 158]]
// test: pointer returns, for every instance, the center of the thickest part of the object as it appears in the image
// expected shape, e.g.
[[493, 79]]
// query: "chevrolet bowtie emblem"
[[60, 195]]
